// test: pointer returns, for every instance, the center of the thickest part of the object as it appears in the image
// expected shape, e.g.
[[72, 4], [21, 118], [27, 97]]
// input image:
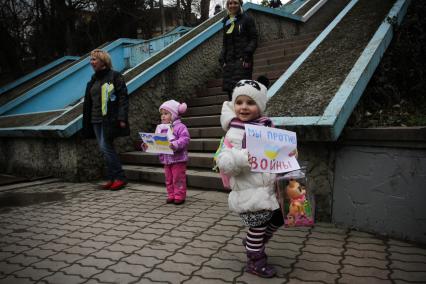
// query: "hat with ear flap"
[[253, 89], [175, 108]]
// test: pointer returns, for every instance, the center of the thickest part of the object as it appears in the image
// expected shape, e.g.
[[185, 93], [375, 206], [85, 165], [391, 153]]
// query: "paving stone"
[[350, 279], [147, 261], [31, 243], [54, 246], [281, 260], [105, 253], [409, 276], [22, 259], [105, 238], [250, 278], [366, 241], [15, 280], [122, 248], [408, 257], [158, 253], [114, 277], [333, 244], [233, 265], [67, 257], [185, 258], [93, 244], [206, 252], [366, 254], [62, 278], [15, 248], [171, 239], [306, 275], [133, 269], [79, 250], [284, 247], [206, 244], [365, 271], [367, 246], [317, 266], [362, 262], [160, 245], [183, 268], [325, 236], [50, 265], [100, 263], [32, 273], [80, 270], [7, 268], [333, 259], [68, 241], [322, 250], [408, 266], [198, 279], [132, 242], [222, 274], [6, 254], [41, 253], [407, 250], [163, 276]]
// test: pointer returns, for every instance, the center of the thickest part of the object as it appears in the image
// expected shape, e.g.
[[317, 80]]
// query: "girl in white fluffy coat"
[[252, 196]]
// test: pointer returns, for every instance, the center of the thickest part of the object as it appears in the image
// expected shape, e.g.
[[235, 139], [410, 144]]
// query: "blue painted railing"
[[137, 53], [36, 73], [66, 87], [292, 6]]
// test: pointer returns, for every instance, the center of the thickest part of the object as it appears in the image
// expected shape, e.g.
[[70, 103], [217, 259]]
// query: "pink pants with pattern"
[[176, 181]]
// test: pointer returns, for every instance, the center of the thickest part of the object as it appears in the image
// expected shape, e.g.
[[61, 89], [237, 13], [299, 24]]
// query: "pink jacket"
[[179, 142]]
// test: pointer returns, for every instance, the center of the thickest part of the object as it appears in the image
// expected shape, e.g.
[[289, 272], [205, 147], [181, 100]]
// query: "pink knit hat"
[[175, 108]]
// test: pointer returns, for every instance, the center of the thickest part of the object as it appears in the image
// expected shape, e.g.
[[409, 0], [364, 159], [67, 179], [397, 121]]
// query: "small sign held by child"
[[270, 149], [156, 143]]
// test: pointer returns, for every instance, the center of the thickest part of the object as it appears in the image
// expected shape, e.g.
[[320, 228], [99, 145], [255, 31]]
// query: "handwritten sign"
[[156, 143], [269, 149]]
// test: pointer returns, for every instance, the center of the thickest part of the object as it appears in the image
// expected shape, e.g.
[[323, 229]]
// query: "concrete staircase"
[[203, 119]]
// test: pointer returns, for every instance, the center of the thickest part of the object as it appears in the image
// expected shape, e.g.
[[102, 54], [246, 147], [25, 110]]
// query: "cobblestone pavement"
[[85, 235]]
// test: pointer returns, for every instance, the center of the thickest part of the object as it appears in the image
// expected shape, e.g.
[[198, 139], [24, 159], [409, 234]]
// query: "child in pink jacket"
[[174, 164]]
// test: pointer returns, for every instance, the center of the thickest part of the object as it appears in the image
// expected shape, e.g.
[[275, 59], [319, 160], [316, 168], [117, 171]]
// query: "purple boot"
[[257, 264]]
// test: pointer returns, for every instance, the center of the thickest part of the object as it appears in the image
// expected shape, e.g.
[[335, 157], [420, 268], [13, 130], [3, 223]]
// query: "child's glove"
[[294, 153], [144, 147]]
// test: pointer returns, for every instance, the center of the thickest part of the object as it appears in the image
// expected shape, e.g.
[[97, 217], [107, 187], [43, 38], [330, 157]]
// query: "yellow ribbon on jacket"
[[106, 91], [231, 28]]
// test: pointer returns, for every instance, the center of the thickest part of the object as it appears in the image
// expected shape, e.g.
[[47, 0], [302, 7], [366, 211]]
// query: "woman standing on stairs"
[[105, 112], [239, 45]]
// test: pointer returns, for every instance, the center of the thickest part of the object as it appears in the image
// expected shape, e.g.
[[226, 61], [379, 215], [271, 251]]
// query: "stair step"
[[272, 67], [210, 120], [206, 132], [196, 160], [287, 41], [212, 91], [214, 83], [204, 144], [311, 35], [203, 110], [204, 179], [206, 101], [271, 75], [276, 59], [282, 46]]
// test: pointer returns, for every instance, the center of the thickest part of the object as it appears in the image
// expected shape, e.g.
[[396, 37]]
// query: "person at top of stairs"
[[239, 45], [252, 196], [178, 136]]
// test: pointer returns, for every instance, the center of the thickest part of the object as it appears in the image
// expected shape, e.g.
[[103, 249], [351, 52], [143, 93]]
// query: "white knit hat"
[[253, 89]]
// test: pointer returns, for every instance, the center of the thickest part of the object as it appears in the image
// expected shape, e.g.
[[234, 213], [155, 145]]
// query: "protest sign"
[[269, 149], [156, 143]]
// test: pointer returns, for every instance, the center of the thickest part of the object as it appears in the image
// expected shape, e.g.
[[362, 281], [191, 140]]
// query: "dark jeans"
[[115, 170]]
